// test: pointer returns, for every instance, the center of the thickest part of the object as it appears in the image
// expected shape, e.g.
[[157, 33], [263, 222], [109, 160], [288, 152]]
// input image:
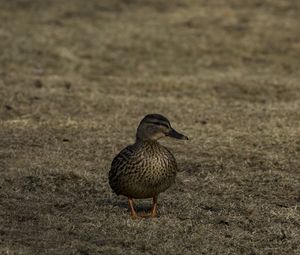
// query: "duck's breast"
[[159, 169]]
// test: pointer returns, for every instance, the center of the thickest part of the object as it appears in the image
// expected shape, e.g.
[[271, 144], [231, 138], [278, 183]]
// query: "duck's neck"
[[146, 141]]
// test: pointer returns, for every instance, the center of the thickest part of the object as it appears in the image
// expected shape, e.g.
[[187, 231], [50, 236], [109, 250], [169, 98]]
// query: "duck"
[[146, 168]]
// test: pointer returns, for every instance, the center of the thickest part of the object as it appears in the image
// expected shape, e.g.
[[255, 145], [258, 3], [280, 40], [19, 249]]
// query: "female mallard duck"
[[146, 168]]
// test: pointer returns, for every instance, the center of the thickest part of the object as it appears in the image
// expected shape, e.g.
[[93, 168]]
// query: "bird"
[[146, 168]]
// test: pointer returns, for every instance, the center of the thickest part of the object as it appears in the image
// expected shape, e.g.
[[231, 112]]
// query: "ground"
[[76, 77]]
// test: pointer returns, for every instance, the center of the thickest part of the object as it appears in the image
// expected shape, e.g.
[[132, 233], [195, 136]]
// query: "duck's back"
[[142, 170]]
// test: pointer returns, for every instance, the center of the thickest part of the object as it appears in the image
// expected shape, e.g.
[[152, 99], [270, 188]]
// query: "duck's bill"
[[173, 133]]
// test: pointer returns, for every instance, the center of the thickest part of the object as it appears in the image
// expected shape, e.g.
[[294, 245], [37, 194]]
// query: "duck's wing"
[[120, 162]]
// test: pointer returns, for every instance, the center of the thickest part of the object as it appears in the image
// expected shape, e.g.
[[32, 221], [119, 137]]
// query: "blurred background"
[[76, 77]]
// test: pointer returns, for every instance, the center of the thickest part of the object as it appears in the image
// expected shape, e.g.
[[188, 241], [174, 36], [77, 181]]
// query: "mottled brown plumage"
[[146, 168]]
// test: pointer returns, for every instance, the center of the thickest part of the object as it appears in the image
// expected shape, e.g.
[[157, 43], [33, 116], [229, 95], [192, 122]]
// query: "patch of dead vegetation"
[[76, 78]]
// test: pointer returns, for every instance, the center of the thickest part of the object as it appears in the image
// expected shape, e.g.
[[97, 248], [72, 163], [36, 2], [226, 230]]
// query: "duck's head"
[[156, 126]]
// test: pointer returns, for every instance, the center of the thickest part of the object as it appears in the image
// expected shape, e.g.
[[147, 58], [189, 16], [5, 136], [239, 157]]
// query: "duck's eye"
[[159, 123]]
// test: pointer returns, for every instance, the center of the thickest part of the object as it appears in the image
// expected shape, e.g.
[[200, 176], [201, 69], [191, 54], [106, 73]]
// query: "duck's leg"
[[132, 210], [154, 207]]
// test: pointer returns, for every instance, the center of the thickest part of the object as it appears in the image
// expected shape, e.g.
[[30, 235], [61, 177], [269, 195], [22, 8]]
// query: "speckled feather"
[[142, 170]]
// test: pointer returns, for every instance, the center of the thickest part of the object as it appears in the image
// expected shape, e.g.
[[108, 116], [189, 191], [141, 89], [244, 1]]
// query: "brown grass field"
[[76, 77]]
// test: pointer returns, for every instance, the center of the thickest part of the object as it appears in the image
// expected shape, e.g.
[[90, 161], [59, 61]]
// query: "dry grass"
[[75, 79]]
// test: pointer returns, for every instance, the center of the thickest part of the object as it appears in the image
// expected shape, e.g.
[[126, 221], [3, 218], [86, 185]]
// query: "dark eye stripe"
[[158, 123]]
